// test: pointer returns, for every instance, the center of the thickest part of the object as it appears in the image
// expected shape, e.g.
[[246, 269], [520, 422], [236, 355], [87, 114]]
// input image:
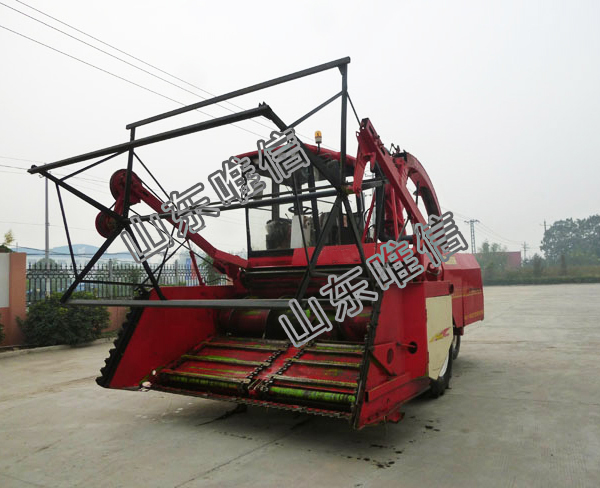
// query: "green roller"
[[200, 381], [223, 359], [317, 396]]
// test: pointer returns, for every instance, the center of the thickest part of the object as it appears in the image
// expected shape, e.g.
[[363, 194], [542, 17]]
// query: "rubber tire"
[[438, 387], [456, 347]]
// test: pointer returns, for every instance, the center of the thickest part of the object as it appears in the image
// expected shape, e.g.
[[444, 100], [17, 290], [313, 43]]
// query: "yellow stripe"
[[474, 314], [468, 294]]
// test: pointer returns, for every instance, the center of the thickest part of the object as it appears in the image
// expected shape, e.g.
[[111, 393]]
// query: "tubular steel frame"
[[337, 181]]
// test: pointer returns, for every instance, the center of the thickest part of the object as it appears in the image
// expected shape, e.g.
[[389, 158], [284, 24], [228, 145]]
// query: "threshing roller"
[[227, 342]]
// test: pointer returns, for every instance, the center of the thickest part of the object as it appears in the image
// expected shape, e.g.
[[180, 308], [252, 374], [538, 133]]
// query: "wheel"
[[455, 346], [438, 387]]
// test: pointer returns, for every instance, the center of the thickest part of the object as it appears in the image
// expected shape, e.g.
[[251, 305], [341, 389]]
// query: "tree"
[[537, 263], [563, 265], [578, 240], [492, 259], [492, 254], [589, 237], [9, 238]]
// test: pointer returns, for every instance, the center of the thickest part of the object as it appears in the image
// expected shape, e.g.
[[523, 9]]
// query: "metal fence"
[[120, 280]]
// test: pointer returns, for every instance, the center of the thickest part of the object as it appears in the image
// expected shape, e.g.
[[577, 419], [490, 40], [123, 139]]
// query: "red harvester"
[[225, 342]]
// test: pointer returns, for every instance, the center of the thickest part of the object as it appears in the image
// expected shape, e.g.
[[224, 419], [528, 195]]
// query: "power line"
[[91, 65], [494, 232], [80, 185], [120, 77], [136, 58], [120, 59], [15, 167], [139, 68], [127, 54], [484, 228], [99, 49], [19, 159], [96, 181], [492, 237], [105, 52], [490, 230]]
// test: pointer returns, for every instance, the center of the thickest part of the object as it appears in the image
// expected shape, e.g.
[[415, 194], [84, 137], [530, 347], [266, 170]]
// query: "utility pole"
[[47, 249], [524, 251], [472, 223]]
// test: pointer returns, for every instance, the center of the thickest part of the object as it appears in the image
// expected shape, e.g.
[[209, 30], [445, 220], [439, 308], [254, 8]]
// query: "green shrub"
[[542, 280], [49, 322]]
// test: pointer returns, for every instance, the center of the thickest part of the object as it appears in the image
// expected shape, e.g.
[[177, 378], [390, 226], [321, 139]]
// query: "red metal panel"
[[164, 334], [387, 387], [402, 321], [468, 288]]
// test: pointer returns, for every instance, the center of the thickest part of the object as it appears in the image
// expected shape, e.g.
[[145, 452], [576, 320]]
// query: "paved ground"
[[524, 410]]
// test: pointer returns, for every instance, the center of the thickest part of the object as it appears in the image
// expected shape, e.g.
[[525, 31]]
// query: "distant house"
[[513, 259]]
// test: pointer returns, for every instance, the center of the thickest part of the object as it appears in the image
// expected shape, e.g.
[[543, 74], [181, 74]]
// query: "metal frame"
[[337, 181]]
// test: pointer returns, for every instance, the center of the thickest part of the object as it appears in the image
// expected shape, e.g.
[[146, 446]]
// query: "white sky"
[[499, 101]]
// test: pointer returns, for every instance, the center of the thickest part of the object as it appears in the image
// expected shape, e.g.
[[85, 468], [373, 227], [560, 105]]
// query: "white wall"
[[4, 279]]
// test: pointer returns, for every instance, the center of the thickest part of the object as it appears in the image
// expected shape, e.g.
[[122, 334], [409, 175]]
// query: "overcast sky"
[[498, 100]]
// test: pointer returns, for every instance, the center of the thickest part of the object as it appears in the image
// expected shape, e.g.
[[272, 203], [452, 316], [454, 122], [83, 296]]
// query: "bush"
[[543, 280], [49, 322]]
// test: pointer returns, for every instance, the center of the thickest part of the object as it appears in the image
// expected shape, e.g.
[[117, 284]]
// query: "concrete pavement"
[[524, 410]]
